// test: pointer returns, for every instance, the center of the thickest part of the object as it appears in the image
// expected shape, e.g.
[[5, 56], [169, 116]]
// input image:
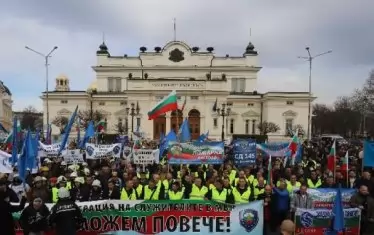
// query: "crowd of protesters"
[[119, 179]]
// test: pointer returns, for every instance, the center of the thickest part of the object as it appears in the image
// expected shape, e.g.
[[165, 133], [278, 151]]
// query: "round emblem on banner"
[[306, 219], [248, 219], [116, 149], [89, 150]]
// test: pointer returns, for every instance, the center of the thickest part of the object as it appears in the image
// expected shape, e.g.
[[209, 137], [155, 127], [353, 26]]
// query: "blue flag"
[[90, 132], [369, 153], [171, 136], [30, 151], [22, 160], [202, 138], [338, 213], [185, 134], [15, 141], [79, 132], [67, 131]]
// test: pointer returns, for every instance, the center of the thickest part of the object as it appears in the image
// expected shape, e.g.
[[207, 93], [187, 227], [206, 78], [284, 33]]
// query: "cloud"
[[280, 32]]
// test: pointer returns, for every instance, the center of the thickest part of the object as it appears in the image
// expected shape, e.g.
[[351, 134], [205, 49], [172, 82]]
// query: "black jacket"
[[34, 221], [66, 216], [6, 217]]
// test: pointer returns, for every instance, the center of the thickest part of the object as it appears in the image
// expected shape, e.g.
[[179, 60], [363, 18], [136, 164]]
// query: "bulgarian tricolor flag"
[[9, 138], [100, 126], [269, 179], [169, 103], [293, 146], [344, 166], [331, 158]]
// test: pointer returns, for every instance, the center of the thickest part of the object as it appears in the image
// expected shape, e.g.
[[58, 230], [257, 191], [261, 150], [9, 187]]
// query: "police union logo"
[[116, 149], [248, 219], [306, 219], [89, 150]]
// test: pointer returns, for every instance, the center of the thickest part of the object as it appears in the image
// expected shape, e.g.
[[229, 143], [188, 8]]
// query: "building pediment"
[[250, 113], [64, 112], [290, 113]]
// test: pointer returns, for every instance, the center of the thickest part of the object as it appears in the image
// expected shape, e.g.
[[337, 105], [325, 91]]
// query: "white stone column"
[[167, 124]]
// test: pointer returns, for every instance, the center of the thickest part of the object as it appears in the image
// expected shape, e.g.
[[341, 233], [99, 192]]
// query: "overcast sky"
[[280, 32]]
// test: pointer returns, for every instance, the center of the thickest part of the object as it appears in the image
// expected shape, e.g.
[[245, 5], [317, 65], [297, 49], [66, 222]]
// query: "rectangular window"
[[241, 87], [118, 85], [289, 102], [194, 97], [234, 82], [289, 125], [247, 126], [232, 126], [110, 84], [124, 103], [215, 122], [253, 127], [64, 101], [137, 122], [101, 103], [250, 105]]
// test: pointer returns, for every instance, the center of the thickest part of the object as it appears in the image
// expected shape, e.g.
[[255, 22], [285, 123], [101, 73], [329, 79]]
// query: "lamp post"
[[134, 111], [46, 59], [91, 92], [310, 58], [127, 121], [223, 112]]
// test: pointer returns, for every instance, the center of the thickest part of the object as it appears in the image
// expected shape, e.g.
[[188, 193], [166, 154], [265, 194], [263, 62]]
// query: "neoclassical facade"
[[6, 103], [125, 83]]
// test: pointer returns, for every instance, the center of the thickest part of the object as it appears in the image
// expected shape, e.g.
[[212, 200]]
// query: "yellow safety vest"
[[139, 189], [197, 175], [211, 186], [198, 193], [146, 175], [232, 175], [255, 182], [175, 195], [291, 188], [68, 185], [151, 194], [257, 191], [241, 198], [166, 184], [125, 196], [219, 197], [312, 185], [250, 179], [54, 194]]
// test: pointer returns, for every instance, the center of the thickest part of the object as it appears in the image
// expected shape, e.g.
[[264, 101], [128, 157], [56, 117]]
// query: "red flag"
[[331, 159]]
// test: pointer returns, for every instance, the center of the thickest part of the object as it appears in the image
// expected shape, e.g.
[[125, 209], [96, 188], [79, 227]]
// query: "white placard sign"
[[143, 156], [73, 156], [49, 150], [97, 151]]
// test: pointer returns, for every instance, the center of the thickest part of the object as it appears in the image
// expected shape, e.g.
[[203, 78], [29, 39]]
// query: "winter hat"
[[96, 183]]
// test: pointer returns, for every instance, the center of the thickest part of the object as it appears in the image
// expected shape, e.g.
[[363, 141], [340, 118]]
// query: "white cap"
[[61, 179], [84, 164], [86, 171], [63, 193], [79, 180], [47, 160], [74, 175], [38, 179], [96, 183], [63, 163]]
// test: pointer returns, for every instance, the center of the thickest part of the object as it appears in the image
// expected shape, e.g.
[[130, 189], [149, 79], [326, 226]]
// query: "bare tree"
[[268, 127], [60, 122], [85, 116], [31, 119]]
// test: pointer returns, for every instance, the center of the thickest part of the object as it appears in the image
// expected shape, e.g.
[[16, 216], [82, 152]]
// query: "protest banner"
[[49, 150], [143, 156], [323, 198], [244, 152], [274, 149], [195, 153], [73, 156], [169, 217], [319, 221], [97, 151]]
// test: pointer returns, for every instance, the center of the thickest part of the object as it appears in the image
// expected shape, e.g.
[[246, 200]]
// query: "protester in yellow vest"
[[138, 188], [293, 184], [196, 191], [241, 174], [219, 194], [176, 192], [128, 192], [153, 192], [231, 172], [242, 193], [259, 188], [255, 181], [314, 181]]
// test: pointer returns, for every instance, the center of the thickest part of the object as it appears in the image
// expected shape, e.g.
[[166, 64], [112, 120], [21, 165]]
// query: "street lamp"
[[310, 58], [46, 58], [134, 111], [91, 92], [223, 112]]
